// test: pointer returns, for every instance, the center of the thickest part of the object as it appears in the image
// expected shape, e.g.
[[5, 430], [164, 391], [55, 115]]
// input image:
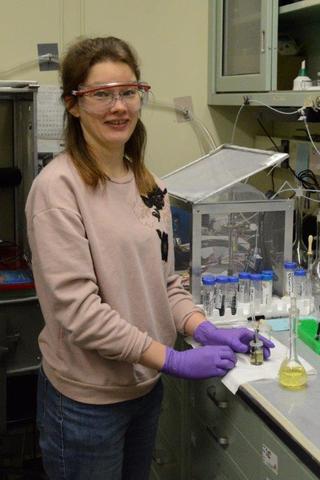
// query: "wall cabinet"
[[256, 48]]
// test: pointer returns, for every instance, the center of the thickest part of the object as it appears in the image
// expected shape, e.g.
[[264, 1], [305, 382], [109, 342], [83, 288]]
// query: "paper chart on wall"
[[49, 113]]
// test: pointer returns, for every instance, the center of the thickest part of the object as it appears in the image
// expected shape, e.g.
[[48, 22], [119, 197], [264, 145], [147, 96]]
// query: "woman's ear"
[[72, 106]]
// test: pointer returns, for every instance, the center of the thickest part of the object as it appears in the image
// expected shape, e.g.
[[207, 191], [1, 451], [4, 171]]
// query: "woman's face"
[[109, 127]]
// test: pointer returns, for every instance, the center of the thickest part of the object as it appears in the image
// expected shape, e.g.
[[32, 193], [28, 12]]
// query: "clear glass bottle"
[[208, 300], [292, 374]]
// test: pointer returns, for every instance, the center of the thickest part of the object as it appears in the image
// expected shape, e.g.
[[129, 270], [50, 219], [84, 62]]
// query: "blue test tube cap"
[[300, 272], [267, 276], [268, 272], [222, 279], [256, 276], [244, 275], [290, 265], [233, 279], [208, 279]]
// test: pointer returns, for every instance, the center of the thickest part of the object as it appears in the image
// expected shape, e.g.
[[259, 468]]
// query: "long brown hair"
[[74, 69]]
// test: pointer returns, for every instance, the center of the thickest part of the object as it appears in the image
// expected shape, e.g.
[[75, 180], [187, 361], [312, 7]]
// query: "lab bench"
[[264, 432]]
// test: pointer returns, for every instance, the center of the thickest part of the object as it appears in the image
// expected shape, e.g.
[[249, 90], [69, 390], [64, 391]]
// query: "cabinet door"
[[243, 45]]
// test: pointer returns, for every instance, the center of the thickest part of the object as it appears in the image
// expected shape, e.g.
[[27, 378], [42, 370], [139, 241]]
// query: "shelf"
[[305, 11]]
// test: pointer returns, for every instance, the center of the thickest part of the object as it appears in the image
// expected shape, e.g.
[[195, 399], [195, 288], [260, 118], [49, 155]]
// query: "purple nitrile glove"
[[199, 363], [237, 338]]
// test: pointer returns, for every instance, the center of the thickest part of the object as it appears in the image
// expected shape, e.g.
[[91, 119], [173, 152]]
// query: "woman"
[[99, 227]]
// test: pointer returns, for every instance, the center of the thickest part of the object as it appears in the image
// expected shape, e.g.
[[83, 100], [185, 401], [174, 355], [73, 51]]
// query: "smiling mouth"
[[116, 122]]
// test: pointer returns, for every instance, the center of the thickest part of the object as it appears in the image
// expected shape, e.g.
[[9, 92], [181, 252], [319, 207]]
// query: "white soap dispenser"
[[302, 81]]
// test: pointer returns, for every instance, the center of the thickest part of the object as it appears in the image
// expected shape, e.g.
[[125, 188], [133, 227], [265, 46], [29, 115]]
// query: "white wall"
[[171, 38]]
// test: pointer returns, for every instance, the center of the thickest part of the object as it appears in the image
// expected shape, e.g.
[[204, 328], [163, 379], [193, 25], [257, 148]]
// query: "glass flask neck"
[[299, 248], [293, 317]]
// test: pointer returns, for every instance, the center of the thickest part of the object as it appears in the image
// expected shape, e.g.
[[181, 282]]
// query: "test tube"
[[221, 282], [208, 282], [244, 287], [288, 273], [231, 293], [266, 284], [300, 284]]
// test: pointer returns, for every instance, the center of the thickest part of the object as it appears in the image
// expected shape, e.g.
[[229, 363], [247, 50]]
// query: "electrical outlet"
[[184, 108], [48, 49]]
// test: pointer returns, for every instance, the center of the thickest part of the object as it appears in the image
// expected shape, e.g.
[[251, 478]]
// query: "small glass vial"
[[221, 283], [256, 352], [300, 286], [231, 294], [288, 274], [256, 288], [244, 287], [208, 293], [266, 287]]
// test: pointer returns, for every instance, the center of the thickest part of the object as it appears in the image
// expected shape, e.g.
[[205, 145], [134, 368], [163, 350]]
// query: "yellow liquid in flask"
[[292, 375]]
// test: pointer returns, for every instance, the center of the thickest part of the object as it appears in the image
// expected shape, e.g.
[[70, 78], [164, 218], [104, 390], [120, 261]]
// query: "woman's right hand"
[[199, 363]]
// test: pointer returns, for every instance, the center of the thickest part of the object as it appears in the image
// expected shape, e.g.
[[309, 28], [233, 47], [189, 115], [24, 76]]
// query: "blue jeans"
[[81, 441]]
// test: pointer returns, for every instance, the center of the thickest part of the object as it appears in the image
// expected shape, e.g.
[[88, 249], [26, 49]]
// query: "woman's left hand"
[[237, 338]]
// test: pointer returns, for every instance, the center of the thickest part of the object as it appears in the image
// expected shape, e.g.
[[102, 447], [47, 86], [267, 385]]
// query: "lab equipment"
[[244, 287], [221, 286], [300, 284], [208, 293], [231, 294], [266, 287], [256, 286], [299, 250], [219, 204], [302, 81], [288, 273], [256, 345], [315, 273], [292, 374], [256, 352]]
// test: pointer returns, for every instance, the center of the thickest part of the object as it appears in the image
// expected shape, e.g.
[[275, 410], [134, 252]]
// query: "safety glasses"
[[100, 98]]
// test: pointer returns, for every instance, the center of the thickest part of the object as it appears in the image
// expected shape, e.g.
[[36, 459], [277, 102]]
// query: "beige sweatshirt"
[[105, 286]]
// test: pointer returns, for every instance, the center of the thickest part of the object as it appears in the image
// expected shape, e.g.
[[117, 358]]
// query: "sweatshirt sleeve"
[[68, 290]]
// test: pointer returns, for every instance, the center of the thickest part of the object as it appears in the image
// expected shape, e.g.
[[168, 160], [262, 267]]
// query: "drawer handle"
[[211, 392], [222, 441]]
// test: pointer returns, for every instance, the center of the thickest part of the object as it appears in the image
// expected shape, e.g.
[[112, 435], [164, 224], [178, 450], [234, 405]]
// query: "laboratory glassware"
[[255, 345], [256, 285], [244, 287], [299, 250], [221, 286], [231, 294], [300, 283], [266, 284], [292, 374], [208, 300], [288, 272]]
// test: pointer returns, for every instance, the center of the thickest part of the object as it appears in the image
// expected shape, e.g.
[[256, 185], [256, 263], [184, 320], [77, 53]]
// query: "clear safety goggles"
[[100, 98]]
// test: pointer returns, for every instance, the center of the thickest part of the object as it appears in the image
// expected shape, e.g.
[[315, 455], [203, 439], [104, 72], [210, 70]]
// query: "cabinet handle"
[[160, 456], [263, 41], [222, 441], [211, 392]]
